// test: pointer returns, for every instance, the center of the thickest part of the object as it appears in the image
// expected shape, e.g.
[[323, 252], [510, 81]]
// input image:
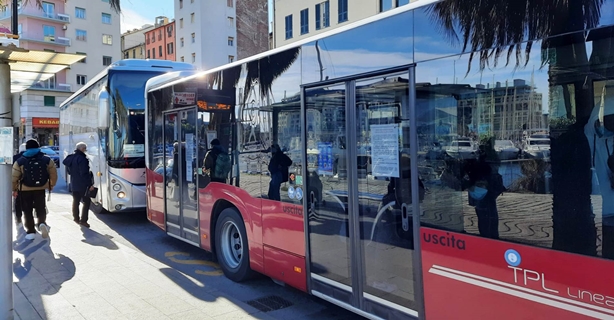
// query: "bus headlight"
[[121, 195], [117, 187]]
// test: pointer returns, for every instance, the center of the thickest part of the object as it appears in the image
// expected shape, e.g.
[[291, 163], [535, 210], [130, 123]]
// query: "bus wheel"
[[231, 246]]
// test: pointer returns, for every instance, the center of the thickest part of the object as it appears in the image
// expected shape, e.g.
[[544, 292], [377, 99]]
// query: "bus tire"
[[231, 246]]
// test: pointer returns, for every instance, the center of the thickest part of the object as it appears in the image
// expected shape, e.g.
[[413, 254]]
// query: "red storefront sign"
[[469, 277], [45, 122]]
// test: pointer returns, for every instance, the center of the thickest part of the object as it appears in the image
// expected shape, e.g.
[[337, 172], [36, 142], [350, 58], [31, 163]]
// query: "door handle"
[[405, 217]]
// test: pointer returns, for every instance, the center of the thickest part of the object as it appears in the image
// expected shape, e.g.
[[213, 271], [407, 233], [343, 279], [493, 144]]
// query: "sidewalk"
[[80, 273]]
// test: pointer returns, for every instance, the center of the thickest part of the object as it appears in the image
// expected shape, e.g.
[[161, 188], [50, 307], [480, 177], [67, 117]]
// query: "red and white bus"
[[376, 213]]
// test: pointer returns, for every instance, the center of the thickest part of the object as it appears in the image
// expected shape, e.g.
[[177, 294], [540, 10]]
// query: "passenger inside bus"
[[278, 167], [217, 162]]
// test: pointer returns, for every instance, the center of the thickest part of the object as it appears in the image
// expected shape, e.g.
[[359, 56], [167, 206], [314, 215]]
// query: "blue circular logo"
[[512, 257]]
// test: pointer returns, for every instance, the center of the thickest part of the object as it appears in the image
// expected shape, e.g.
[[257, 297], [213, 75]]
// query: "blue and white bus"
[[108, 114]]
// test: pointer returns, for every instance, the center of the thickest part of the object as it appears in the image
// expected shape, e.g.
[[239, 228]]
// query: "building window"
[[83, 54], [81, 35], [107, 39], [49, 101], [49, 33], [49, 9], [153, 37], [148, 54], [169, 30], [181, 40], [106, 60], [343, 11], [169, 48], [153, 53], [134, 53], [231, 22], [192, 17], [305, 21], [81, 79], [79, 13], [193, 37], [126, 55], [180, 4], [193, 57], [160, 51], [231, 58], [322, 15], [182, 59], [231, 41], [181, 23], [289, 27], [106, 18], [230, 3]]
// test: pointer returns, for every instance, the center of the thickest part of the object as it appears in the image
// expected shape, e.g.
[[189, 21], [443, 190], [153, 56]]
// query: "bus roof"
[[133, 65], [404, 8], [163, 79]]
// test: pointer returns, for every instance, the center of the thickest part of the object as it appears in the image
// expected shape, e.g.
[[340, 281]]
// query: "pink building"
[[160, 41]]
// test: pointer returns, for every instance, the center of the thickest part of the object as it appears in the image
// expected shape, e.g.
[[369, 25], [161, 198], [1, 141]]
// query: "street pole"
[[6, 216], [14, 20]]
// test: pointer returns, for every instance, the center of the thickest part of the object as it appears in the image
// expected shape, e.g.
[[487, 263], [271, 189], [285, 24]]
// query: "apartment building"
[[88, 28], [211, 33], [293, 21], [133, 43], [160, 41]]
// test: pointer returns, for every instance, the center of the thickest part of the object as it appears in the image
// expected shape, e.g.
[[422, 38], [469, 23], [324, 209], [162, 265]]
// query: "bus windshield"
[[127, 132]]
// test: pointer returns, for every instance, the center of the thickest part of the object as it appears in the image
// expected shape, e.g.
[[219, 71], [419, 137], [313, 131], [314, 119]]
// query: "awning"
[[30, 66]]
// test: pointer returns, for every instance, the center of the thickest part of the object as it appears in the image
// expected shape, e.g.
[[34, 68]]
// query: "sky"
[[136, 13]]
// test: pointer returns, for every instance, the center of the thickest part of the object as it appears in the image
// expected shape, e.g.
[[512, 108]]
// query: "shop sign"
[[45, 122]]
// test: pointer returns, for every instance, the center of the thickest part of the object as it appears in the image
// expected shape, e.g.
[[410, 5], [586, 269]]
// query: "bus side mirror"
[[103, 109]]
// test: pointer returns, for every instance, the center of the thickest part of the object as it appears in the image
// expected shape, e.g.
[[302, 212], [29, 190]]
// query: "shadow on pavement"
[[96, 239], [39, 272]]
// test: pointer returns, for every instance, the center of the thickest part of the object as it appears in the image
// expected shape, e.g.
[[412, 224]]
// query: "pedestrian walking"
[[81, 182], [34, 173], [18, 208]]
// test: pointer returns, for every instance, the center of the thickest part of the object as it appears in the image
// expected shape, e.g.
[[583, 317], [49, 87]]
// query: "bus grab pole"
[[6, 193]]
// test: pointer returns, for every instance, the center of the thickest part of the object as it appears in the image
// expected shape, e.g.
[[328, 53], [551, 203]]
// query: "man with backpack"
[[34, 173], [81, 182], [18, 207], [217, 162]]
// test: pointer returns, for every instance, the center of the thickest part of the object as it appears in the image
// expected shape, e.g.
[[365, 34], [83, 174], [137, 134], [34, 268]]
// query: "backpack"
[[222, 166], [35, 172]]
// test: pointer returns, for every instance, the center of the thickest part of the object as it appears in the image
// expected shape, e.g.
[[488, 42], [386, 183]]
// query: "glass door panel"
[[384, 189], [189, 174], [327, 184], [171, 181]]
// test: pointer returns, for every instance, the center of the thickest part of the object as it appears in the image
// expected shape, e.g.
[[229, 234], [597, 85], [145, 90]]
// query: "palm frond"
[[491, 26]]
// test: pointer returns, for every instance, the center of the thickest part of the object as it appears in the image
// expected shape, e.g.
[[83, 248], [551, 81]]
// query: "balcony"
[[51, 86], [34, 13], [60, 41], [7, 39]]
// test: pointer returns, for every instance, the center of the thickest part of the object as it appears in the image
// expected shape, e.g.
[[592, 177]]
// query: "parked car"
[[537, 146], [52, 154], [463, 148]]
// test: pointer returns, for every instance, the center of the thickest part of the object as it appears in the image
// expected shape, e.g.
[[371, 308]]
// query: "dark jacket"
[[79, 169], [18, 174], [211, 157], [280, 163]]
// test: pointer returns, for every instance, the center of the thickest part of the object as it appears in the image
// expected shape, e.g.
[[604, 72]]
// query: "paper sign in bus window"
[[385, 150]]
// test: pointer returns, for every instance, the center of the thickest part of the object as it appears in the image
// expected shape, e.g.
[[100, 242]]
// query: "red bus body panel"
[[470, 277], [276, 238]]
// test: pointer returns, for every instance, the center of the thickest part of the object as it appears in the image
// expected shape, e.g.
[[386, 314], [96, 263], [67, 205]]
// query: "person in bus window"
[[278, 167], [485, 186], [600, 134], [217, 162]]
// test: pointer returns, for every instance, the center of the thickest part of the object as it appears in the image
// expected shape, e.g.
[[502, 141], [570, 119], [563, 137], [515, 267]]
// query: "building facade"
[[89, 28], [133, 43], [160, 41], [293, 22], [212, 33]]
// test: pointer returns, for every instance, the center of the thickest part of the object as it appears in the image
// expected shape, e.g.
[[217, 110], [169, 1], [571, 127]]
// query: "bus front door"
[[181, 196]]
